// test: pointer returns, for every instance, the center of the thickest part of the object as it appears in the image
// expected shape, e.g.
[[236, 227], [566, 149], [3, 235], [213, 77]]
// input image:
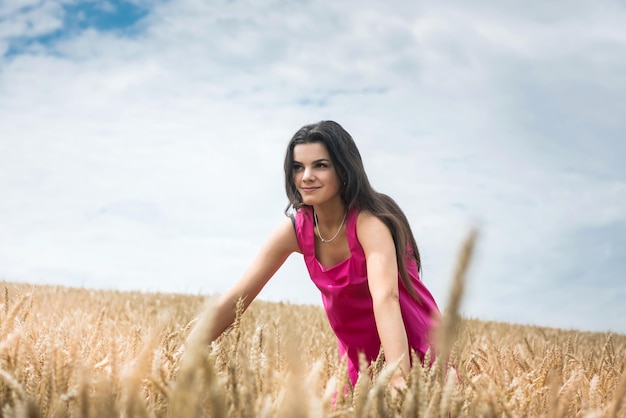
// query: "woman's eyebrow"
[[321, 160]]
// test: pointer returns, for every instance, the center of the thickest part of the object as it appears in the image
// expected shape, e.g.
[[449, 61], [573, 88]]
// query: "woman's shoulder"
[[372, 233], [367, 220], [364, 215]]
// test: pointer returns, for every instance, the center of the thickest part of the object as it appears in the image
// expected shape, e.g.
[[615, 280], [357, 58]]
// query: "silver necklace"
[[317, 227]]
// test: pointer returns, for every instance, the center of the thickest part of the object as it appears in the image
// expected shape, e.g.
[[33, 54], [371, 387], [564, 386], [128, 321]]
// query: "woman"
[[359, 250]]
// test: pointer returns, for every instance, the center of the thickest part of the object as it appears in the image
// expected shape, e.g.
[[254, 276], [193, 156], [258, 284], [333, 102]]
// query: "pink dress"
[[347, 300]]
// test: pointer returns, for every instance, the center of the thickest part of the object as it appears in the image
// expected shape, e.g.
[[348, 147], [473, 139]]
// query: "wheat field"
[[73, 352], [67, 352]]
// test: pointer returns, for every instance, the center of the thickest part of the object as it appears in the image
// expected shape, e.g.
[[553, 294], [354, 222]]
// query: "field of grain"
[[87, 353]]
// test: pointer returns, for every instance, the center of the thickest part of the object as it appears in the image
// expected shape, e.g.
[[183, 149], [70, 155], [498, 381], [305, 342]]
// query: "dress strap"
[[304, 230], [293, 220]]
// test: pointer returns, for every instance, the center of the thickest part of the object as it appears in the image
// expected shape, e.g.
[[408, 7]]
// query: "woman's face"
[[314, 174]]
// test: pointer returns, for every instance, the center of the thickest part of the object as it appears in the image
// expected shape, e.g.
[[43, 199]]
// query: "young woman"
[[358, 248]]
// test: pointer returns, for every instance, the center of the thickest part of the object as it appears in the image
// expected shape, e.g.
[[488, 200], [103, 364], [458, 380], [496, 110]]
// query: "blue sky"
[[141, 143]]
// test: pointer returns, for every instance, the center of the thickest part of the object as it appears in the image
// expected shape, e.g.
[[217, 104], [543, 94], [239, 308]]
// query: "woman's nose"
[[308, 174]]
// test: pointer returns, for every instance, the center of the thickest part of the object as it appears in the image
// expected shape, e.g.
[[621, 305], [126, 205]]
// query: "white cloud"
[[35, 19], [8, 7]]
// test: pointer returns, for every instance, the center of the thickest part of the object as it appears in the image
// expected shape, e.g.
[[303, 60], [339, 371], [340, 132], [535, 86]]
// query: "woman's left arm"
[[382, 277]]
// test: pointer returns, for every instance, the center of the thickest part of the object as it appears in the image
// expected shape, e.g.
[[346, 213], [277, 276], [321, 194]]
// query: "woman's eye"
[[321, 165], [297, 167]]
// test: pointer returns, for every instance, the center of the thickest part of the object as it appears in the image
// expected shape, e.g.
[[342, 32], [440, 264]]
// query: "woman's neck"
[[331, 214]]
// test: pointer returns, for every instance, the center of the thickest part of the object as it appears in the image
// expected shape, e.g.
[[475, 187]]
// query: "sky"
[[142, 142]]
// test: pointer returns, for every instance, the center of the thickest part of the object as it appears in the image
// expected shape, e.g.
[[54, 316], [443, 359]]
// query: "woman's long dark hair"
[[356, 191]]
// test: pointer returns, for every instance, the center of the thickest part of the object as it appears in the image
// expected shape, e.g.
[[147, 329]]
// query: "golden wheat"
[[68, 352]]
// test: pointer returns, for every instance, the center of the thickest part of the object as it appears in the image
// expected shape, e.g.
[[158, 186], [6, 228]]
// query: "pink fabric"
[[347, 300]]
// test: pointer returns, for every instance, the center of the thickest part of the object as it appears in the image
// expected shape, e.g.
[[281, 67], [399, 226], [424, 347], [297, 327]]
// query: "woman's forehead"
[[310, 152]]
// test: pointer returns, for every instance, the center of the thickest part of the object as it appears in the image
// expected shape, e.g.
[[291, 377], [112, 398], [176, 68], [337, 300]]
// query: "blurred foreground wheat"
[[82, 353]]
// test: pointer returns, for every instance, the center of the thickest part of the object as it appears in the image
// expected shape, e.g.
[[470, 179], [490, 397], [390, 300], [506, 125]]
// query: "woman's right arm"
[[280, 244]]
